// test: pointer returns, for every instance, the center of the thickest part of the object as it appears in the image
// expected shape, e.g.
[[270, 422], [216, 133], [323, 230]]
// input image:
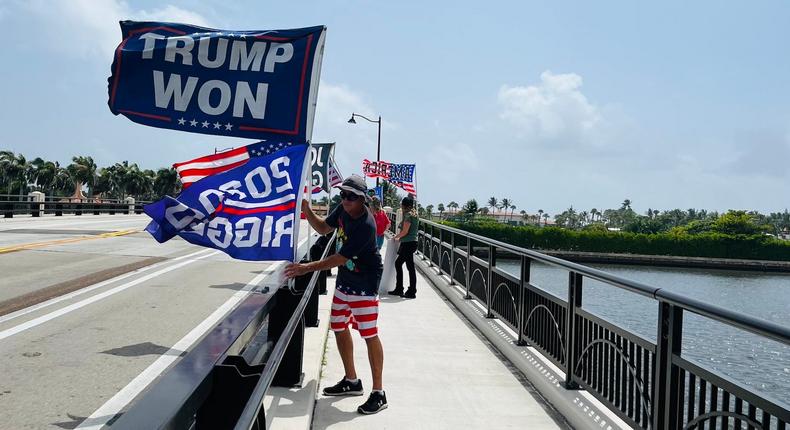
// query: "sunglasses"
[[349, 196]]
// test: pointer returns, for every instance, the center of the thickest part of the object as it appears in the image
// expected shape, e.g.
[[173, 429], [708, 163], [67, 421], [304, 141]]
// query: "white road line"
[[90, 288], [73, 223], [112, 407], [74, 306]]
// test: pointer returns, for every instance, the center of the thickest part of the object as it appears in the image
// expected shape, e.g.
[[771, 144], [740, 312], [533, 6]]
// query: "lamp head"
[[352, 120]]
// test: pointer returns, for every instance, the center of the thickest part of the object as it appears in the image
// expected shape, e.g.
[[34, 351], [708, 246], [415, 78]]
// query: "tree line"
[[19, 176], [624, 218]]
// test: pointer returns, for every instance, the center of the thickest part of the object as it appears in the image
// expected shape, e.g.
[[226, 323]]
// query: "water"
[[759, 363]]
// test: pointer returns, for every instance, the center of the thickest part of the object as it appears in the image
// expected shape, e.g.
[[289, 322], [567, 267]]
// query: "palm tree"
[[166, 183], [593, 213], [583, 217], [512, 208], [43, 174], [470, 208], [103, 186], [504, 204], [440, 208], [429, 211], [14, 168], [540, 214], [492, 202], [139, 183], [545, 218], [452, 205], [626, 204], [83, 172]]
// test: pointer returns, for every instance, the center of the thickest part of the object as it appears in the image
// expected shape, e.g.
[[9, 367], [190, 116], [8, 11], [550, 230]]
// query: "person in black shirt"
[[356, 291]]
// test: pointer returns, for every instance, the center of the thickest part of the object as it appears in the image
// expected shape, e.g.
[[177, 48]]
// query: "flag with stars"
[[194, 170], [253, 84], [335, 178], [250, 212]]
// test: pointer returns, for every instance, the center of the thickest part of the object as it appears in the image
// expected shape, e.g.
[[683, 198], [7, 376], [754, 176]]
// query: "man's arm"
[[297, 269], [318, 223]]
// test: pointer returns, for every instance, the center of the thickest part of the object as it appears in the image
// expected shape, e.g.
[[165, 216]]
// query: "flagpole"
[[309, 183]]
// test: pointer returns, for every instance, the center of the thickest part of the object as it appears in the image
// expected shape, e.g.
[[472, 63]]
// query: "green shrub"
[[677, 242]]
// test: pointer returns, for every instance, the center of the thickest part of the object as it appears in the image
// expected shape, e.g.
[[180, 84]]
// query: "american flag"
[[399, 175], [334, 175], [406, 186], [194, 170]]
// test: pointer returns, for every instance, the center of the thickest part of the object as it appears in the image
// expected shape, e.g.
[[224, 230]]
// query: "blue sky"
[[551, 104]]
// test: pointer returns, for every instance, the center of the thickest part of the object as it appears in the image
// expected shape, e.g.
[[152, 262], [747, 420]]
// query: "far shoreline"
[[671, 261]]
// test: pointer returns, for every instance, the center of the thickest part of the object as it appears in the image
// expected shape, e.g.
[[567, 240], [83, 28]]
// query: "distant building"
[[500, 216]]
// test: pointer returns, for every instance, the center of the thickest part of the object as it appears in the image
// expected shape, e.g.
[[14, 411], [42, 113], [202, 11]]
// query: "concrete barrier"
[[36, 210], [130, 204]]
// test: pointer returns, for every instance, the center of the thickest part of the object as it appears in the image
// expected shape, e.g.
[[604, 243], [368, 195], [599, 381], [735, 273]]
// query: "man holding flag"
[[356, 293]]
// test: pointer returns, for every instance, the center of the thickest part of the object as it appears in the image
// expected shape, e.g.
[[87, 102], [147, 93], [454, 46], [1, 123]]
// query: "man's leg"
[[376, 358], [345, 345]]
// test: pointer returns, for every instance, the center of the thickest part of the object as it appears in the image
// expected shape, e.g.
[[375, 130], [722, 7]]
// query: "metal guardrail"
[[221, 382], [11, 205], [650, 385]]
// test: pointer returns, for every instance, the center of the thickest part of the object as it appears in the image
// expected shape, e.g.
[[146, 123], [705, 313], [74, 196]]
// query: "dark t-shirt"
[[356, 240]]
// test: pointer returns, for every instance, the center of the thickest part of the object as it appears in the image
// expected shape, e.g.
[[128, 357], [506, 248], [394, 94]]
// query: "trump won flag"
[[248, 212], [251, 84]]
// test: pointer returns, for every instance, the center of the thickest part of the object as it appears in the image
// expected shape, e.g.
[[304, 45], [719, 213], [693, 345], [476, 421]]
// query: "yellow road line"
[[24, 246]]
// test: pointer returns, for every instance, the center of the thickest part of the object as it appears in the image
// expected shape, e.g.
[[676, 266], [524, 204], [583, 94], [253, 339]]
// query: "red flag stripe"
[[209, 172], [235, 211], [214, 157]]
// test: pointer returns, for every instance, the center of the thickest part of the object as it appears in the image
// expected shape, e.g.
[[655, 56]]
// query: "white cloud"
[[89, 28], [555, 110]]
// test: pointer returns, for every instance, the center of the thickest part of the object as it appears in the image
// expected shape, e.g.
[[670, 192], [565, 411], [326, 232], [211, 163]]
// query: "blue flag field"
[[249, 212]]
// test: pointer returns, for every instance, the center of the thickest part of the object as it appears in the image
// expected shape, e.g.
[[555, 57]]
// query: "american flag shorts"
[[361, 311]]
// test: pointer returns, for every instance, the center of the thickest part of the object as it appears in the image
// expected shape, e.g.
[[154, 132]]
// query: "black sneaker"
[[411, 293], [396, 292], [345, 388], [375, 403]]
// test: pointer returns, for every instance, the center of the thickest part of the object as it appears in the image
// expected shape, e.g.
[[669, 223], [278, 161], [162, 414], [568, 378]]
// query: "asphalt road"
[[95, 309]]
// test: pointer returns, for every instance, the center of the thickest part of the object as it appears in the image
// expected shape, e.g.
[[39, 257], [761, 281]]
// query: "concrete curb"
[[579, 407]]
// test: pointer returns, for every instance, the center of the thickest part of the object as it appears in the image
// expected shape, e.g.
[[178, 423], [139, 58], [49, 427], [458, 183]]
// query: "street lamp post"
[[378, 145]]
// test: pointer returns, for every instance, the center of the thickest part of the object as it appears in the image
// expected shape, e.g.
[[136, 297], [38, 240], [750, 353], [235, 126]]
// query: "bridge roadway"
[[92, 309]]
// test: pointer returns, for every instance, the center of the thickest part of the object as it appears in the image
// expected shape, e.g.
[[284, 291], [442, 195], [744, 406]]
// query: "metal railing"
[[11, 205], [221, 382], [648, 384]]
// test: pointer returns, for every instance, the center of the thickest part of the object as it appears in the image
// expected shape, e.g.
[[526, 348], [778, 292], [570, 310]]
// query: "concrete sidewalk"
[[438, 373]]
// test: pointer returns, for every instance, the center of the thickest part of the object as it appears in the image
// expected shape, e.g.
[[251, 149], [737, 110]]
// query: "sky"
[[550, 104]]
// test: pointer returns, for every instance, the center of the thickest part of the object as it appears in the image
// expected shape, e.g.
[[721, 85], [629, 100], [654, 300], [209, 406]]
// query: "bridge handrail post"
[[441, 241], [667, 388], [430, 249], [526, 265], [490, 289], [468, 264], [574, 303], [452, 258]]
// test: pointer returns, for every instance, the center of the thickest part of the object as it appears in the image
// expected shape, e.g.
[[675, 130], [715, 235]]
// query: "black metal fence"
[[12, 205], [648, 384]]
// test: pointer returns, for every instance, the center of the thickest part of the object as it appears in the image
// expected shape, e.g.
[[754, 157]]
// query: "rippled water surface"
[[750, 359]]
